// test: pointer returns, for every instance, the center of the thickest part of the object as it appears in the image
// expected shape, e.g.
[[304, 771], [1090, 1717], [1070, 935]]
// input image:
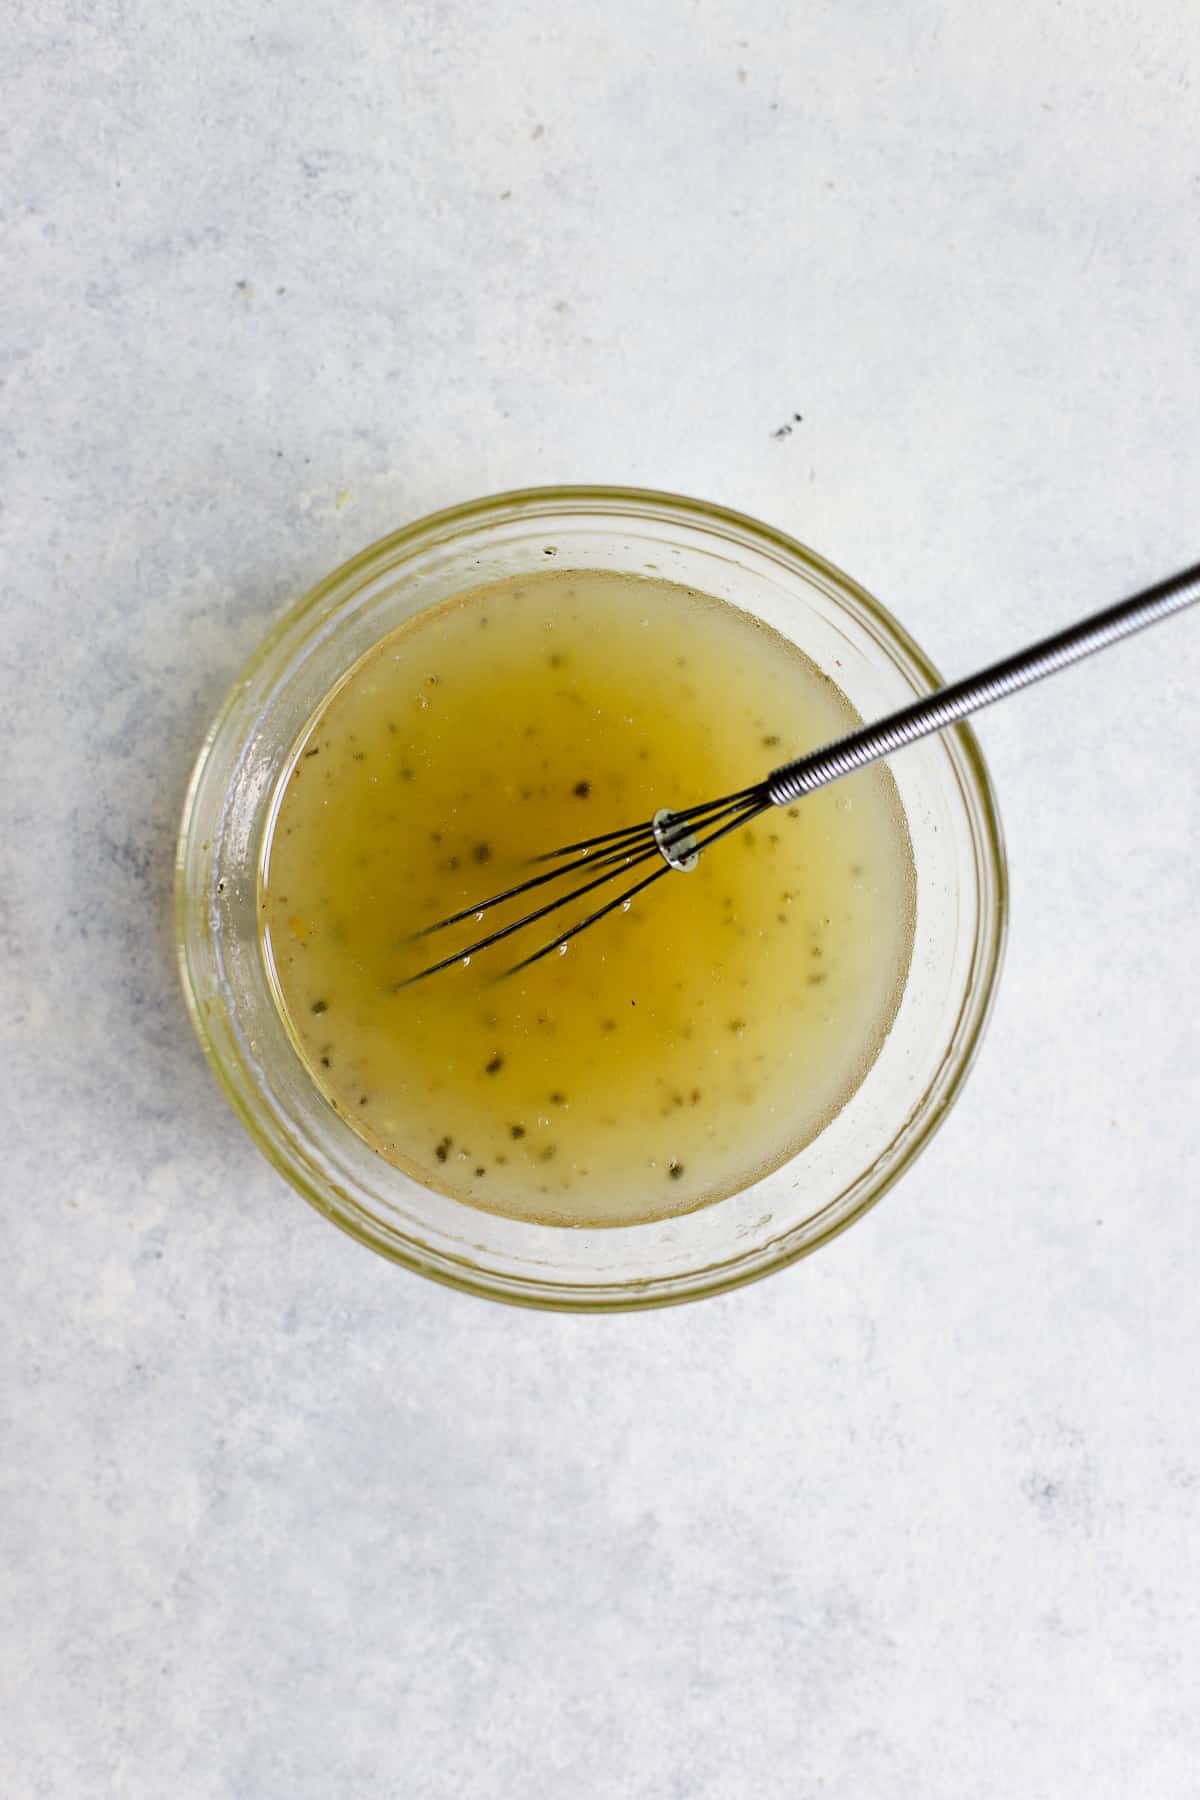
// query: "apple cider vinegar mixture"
[[677, 1051]]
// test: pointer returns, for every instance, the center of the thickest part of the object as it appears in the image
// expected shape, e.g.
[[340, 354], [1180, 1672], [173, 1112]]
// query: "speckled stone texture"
[[919, 1517]]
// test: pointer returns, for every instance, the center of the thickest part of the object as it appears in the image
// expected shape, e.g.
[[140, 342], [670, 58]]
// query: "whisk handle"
[[949, 704]]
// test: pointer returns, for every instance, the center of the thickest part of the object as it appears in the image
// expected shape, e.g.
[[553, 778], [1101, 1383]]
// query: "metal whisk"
[[675, 837]]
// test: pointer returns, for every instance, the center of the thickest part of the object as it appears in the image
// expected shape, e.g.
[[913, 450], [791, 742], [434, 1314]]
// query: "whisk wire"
[[742, 818], [730, 816], [680, 814], [625, 847]]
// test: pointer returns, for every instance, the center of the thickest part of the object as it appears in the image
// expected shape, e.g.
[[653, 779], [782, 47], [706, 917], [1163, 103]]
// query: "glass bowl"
[[960, 912]]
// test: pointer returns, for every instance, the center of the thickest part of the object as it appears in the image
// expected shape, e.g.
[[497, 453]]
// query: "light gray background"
[[919, 1517]]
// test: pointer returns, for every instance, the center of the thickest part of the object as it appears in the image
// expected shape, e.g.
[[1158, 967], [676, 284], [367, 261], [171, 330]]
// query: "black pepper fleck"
[[320, 1006], [495, 1065]]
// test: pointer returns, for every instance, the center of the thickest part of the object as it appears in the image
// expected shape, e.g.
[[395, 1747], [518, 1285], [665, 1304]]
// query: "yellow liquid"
[[678, 1050]]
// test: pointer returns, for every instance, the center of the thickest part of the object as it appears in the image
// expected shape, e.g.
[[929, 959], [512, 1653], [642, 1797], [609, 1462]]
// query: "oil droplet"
[[466, 962], [562, 949]]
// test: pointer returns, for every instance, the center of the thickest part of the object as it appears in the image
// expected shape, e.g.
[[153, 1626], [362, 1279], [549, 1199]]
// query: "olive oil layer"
[[678, 1050]]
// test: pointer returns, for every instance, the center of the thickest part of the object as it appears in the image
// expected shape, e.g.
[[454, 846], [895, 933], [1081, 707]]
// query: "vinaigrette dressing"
[[677, 1051]]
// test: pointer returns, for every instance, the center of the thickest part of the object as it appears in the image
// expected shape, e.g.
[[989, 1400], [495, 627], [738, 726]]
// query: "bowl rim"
[[443, 524]]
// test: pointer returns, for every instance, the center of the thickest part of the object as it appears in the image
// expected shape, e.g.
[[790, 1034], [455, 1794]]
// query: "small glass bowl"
[[960, 913]]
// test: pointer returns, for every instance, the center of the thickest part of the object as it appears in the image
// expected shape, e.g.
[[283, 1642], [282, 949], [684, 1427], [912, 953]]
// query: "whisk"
[[673, 840]]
